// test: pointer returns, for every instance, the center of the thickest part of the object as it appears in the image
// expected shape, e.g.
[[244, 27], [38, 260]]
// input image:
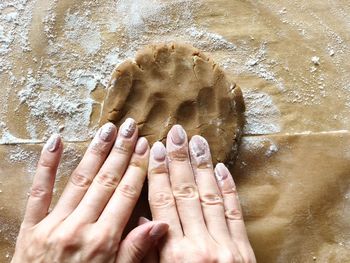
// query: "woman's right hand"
[[202, 209]]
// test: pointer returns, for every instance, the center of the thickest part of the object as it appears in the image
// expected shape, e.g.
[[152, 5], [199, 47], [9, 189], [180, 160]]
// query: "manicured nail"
[[178, 134], [199, 149], [158, 231], [128, 128], [141, 146], [221, 172], [53, 143], [158, 151], [107, 132]]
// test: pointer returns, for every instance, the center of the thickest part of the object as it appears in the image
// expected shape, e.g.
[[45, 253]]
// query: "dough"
[[177, 83]]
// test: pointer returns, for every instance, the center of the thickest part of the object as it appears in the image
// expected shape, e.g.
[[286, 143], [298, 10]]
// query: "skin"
[[196, 213], [200, 206], [88, 220]]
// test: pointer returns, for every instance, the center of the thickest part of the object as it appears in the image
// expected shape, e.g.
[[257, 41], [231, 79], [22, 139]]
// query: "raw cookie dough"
[[177, 83]]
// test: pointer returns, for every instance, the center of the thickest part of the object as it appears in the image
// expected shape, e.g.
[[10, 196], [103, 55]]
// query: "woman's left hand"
[[87, 223]]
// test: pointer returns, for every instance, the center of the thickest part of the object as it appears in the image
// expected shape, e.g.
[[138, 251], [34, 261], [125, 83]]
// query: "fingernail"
[[53, 143], [143, 220], [107, 132], [158, 151], [141, 146], [178, 134], [127, 129], [158, 230], [221, 172], [199, 149]]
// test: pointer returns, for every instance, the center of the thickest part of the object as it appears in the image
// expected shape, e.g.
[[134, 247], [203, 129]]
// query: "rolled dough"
[[177, 83]]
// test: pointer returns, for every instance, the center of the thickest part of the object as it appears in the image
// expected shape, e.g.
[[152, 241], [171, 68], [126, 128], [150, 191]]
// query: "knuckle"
[[137, 163], [247, 257], [40, 242], [46, 162], [162, 199], [234, 214], [211, 199], [39, 192], [230, 191], [238, 259], [185, 191], [99, 148], [107, 179], [62, 240], [122, 147], [180, 154], [205, 256], [159, 169], [228, 257], [128, 191], [104, 245], [80, 179], [103, 241]]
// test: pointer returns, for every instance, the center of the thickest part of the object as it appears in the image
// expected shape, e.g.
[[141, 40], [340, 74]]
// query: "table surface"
[[289, 57]]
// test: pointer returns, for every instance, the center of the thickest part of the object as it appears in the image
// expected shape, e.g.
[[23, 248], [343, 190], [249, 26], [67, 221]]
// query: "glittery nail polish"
[[128, 128], [106, 132]]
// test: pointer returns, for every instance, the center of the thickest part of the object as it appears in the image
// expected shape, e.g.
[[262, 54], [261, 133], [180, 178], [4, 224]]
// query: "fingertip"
[[158, 230], [221, 172], [128, 128], [158, 151], [200, 152], [107, 132], [143, 220], [177, 135], [53, 143], [141, 146]]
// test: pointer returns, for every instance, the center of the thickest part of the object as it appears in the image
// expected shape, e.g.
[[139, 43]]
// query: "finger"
[[83, 175], [139, 241], [209, 193], [183, 184], [109, 176], [160, 196], [152, 254], [120, 206], [40, 194], [233, 211]]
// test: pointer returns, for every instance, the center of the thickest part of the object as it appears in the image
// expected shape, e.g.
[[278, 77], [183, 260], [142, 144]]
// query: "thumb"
[[152, 255], [140, 240]]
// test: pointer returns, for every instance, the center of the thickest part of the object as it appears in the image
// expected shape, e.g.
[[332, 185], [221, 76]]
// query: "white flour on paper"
[[57, 91], [262, 115]]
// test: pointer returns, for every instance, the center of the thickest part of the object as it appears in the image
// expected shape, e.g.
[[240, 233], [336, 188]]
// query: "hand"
[[202, 210], [87, 223]]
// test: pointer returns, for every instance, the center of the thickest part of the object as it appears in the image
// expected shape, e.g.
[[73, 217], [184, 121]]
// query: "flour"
[[258, 145], [209, 41], [315, 60], [262, 115], [20, 155], [80, 29], [56, 90]]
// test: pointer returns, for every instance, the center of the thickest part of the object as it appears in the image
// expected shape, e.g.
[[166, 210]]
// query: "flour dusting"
[[262, 115], [55, 91]]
